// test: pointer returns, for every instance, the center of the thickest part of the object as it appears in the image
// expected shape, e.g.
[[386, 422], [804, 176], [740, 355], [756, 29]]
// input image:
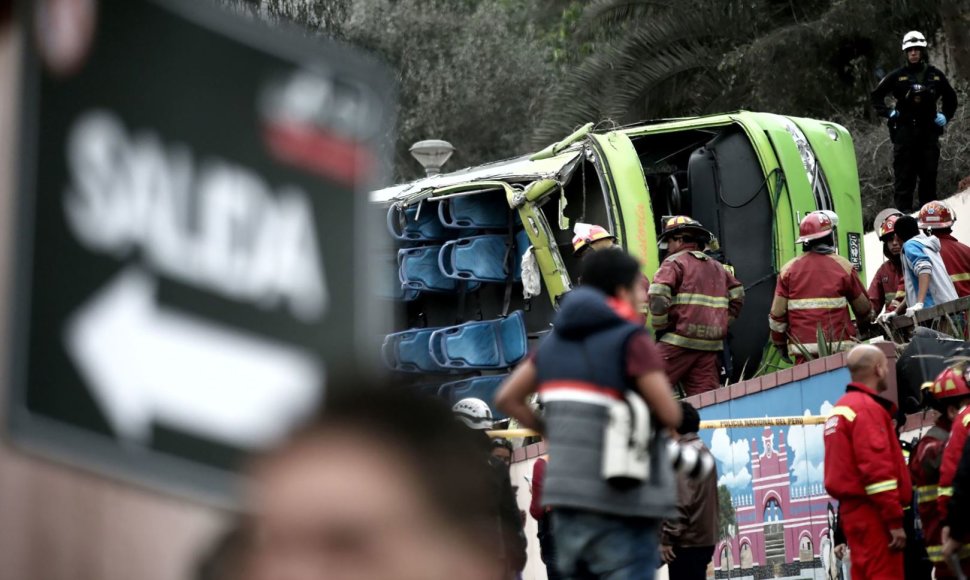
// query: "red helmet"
[[586, 234], [814, 226], [888, 226], [952, 382], [936, 215]]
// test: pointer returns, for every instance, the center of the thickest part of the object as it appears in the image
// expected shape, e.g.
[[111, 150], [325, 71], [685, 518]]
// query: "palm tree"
[[653, 58]]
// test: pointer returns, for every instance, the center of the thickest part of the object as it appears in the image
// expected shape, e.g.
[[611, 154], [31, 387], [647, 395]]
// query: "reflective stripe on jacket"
[[956, 258], [951, 458], [924, 469], [885, 289], [813, 291], [694, 298], [863, 459]]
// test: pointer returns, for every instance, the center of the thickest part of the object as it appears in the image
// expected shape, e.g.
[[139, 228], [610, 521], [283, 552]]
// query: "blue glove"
[[893, 114], [940, 120]]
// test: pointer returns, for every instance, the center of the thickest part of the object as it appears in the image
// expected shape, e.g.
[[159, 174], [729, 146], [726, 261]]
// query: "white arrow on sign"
[[143, 363]]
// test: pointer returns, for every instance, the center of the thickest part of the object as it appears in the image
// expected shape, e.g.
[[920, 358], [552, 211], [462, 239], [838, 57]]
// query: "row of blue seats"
[[440, 268], [428, 223], [474, 260], [479, 345]]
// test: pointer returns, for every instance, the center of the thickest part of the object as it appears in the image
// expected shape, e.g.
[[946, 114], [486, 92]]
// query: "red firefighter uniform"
[[956, 258], [948, 468], [939, 217], [813, 291], [924, 469], [693, 298], [886, 288], [865, 471]]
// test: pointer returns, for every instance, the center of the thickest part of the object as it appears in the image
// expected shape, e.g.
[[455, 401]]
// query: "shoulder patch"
[[904, 78]]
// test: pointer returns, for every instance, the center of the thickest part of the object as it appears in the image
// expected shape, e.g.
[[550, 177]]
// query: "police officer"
[[915, 123]]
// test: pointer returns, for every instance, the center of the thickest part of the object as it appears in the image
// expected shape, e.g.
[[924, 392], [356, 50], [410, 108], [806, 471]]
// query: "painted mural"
[[777, 523]]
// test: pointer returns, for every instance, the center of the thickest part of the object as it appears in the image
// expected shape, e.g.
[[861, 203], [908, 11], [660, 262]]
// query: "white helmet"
[[914, 39], [474, 413]]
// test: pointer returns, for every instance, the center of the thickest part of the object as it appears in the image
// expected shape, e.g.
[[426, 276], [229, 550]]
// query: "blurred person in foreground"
[[381, 485], [687, 541], [865, 469], [594, 363]]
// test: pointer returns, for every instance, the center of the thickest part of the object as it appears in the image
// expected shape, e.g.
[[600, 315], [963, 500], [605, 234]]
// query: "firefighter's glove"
[[885, 317], [940, 119], [893, 114], [912, 310]]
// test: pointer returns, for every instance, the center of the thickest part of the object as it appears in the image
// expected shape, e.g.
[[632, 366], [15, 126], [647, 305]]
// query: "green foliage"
[[500, 78], [817, 58], [727, 516], [471, 73]]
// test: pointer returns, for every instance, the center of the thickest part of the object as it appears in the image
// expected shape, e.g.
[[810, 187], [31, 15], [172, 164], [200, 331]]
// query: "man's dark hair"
[[503, 443], [691, 421], [609, 270], [906, 227]]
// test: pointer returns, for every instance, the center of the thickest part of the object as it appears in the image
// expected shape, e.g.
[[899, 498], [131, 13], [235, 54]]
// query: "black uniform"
[[915, 136]]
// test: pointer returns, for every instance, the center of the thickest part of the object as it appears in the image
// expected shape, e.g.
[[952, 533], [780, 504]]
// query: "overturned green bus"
[[748, 177]]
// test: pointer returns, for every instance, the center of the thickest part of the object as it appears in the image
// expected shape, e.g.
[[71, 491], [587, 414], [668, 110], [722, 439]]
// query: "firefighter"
[[953, 384], [886, 289], [938, 217], [591, 237], [693, 299], [915, 124], [946, 394], [812, 294], [865, 470]]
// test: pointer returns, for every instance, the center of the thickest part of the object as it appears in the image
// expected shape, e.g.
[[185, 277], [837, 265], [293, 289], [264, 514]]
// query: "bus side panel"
[[628, 189]]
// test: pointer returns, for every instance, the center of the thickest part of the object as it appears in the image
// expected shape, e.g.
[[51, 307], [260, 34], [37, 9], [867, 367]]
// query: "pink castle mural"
[[781, 527]]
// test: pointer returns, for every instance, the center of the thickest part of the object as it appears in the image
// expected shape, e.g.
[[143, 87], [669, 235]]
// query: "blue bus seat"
[[482, 258], [488, 344], [418, 270], [407, 226], [407, 351], [474, 211]]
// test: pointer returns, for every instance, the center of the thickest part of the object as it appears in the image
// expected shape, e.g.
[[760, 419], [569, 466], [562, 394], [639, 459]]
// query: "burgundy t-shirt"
[[642, 355]]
